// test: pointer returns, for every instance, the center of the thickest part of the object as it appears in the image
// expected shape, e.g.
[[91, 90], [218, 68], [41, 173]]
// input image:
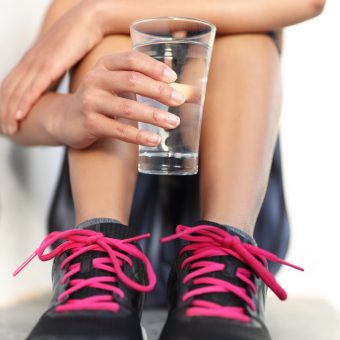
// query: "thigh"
[[239, 127], [244, 81], [244, 62]]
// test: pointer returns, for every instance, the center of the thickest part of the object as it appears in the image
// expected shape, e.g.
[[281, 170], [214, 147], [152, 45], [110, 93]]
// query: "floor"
[[295, 319]]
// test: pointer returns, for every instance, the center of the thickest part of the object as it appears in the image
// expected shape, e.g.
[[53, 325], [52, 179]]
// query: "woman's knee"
[[246, 46], [109, 45]]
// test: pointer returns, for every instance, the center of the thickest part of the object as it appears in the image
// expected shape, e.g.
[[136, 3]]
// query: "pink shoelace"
[[115, 253], [209, 241]]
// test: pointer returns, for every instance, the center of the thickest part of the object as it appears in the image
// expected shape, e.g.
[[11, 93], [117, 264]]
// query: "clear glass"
[[185, 45]]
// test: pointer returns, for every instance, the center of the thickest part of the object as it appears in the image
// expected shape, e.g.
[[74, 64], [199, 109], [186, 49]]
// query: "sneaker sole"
[[144, 334], [42, 337]]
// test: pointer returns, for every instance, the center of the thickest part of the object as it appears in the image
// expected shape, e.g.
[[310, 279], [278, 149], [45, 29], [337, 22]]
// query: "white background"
[[310, 141]]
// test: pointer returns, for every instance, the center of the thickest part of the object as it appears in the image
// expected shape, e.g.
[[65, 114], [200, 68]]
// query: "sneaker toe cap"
[[212, 329], [86, 325]]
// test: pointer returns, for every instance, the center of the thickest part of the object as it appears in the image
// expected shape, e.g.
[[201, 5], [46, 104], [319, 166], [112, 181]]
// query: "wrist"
[[55, 124], [92, 16], [109, 15], [102, 14]]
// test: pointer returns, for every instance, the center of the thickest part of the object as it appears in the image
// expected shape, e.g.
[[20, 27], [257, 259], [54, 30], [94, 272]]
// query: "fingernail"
[[11, 129], [154, 139], [19, 114], [169, 75], [172, 119], [177, 97]]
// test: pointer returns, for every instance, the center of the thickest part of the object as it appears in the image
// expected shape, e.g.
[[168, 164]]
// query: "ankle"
[[97, 220], [235, 221], [104, 217]]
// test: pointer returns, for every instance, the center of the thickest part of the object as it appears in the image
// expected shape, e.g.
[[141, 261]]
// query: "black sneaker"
[[99, 276], [217, 286]]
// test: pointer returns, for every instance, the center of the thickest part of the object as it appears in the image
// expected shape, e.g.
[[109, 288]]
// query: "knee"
[[109, 45], [249, 46]]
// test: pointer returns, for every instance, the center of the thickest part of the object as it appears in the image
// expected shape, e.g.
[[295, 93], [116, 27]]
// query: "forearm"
[[39, 127], [230, 16]]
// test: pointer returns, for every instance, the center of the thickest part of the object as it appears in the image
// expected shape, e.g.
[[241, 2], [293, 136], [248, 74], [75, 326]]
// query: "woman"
[[217, 285]]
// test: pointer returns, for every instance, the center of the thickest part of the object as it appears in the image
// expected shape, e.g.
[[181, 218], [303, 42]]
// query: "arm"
[[40, 128], [40, 68], [84, 23], [91, 111], [94, 109], [230, 16]]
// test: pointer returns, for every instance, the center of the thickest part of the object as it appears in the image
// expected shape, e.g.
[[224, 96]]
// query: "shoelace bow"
[[209, 241], [115, 253]]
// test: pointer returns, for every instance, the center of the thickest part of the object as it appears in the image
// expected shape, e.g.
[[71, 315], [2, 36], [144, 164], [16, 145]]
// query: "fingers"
[[10, 94], [114, 106], [132, 81], [6, 90], [29, 91], [192, 94], [107, 127], [139, 62], [13, 112]]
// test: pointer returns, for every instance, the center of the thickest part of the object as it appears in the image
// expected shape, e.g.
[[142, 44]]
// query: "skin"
[[94, 110], [83, 24], [113, 183], [239, 129], [240, 121], [243, 130]]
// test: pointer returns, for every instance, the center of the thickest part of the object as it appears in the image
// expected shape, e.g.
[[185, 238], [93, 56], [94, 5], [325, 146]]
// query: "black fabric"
[[85, 326], [162, 202], [111, 230], [210, 329], [275, 38]]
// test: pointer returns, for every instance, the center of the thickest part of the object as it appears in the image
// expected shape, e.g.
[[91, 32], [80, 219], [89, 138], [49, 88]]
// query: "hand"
[[95, 109], [55, 51]]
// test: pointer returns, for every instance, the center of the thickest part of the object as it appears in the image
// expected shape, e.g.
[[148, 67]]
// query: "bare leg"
[[103, 176], [239, 129]]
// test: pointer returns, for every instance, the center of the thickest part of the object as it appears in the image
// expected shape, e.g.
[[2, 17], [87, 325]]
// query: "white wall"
[[310, 141], [27, 176]]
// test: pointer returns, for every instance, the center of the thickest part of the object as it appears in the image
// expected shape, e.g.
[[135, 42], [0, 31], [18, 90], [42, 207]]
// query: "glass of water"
[[185, 45]]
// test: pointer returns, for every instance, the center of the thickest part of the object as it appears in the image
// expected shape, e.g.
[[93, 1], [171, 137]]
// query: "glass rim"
[[170, 18]]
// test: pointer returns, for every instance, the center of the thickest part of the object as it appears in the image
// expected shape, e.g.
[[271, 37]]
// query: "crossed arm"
[[230, 16], [72, 28]]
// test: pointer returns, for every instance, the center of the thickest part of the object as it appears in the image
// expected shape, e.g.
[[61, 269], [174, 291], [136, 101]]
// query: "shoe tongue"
[[231, 266], [244, 237], [108, 229], [113, 230]]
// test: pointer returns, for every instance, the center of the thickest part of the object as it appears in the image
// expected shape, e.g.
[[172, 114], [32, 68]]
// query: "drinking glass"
[[185, 45]]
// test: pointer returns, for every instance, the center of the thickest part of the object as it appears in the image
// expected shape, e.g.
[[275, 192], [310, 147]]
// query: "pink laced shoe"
[[218, 284], [99, 278]]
